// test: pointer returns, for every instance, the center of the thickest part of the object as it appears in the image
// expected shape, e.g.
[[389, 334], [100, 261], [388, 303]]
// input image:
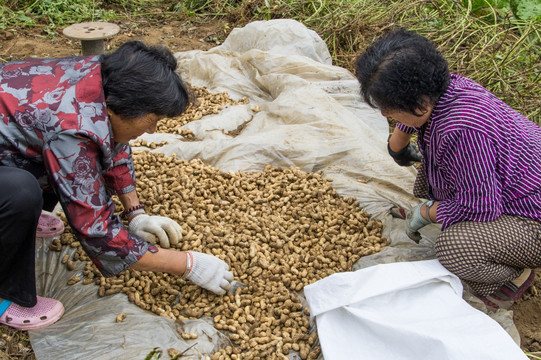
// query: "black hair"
[[140, 79], [399, 70]]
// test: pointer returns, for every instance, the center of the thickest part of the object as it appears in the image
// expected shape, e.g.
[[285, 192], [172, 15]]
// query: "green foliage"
[[203, 7], [53, 13], [477, 5], [154, 354], [521, 9], [14, 18], [526, 9]]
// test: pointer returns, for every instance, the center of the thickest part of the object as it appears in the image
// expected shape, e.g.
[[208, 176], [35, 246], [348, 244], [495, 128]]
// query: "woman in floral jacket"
[[64, 133]]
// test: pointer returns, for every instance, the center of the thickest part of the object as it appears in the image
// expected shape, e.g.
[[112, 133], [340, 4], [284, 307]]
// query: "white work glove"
[[208, 271], [152, 228], [415, 221]]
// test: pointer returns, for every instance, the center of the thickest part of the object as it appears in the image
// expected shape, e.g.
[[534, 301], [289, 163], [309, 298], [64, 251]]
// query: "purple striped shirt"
[[481, 158]]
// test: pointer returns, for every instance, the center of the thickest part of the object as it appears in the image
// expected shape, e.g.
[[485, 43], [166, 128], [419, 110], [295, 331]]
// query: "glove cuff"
[[419, 220], [406, 156], [137, 209], [189, 265], [135, 221], [397, 153], [428, 205]]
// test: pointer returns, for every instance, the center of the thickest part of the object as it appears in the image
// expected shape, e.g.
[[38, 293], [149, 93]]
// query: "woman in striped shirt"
[[481, 164]]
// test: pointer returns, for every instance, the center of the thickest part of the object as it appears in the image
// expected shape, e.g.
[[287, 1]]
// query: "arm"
[[467, 163], [163, 260], [399, 140], [74, 169], [111, 247], [401, 149], [152, 229], [129, 200], [204, 270]]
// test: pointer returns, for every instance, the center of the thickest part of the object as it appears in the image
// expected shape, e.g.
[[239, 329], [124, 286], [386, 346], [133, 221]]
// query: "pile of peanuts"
[[202, 103], [279, 230]]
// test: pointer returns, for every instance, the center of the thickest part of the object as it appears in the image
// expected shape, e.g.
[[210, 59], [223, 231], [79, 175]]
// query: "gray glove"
[[151, 228], [415, 221], [407, 156], [208, 271]]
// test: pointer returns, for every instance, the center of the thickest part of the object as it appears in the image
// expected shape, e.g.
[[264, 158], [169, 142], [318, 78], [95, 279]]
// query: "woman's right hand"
[[208, 271]]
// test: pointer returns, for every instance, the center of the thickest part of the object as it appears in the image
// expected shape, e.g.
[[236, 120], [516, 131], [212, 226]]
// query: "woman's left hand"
[[415, 221], [151, 228]]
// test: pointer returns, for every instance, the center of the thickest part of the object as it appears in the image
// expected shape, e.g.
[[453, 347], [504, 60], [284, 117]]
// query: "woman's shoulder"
[[32, 67], [50, 81], [468, 104], [463, 87]]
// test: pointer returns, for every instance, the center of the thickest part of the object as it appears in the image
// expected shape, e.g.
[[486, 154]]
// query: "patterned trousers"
[[485, 255]]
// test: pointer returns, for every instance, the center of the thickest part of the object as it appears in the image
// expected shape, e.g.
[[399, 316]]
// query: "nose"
[[385, 113]]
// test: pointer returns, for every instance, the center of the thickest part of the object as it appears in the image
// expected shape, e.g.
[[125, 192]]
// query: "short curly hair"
[[400, 70], [139, 79]]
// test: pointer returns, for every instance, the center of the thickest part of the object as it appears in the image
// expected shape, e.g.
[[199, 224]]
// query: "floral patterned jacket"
[[54, 124]]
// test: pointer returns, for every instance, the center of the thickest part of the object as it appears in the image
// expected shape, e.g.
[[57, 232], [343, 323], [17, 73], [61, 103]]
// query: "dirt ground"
[[181, 35], [177, 35]]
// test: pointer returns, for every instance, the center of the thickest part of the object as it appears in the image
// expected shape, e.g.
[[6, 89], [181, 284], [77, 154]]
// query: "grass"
[[490, 46], [53, 13]]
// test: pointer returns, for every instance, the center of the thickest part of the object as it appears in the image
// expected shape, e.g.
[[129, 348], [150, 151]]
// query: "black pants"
[[21, 202]]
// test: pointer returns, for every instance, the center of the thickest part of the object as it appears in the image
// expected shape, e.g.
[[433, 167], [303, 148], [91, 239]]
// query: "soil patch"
[[177, 34]]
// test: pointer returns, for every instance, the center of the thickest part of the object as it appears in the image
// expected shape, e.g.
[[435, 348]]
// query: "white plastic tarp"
[[403, 311], [311, 116]]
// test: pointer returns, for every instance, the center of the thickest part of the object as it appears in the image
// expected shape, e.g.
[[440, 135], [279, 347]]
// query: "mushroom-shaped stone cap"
[[91, 30]]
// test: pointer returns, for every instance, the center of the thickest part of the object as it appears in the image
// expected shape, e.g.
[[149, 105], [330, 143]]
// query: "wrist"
[[396, 151], [134, 215], [129, 213], [418, 218], [399, 140]]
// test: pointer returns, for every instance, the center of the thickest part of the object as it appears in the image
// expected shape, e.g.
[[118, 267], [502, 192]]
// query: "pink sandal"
[[49, 225], [46, 312]]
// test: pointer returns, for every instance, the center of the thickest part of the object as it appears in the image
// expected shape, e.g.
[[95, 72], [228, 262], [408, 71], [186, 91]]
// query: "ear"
[[425, 107], [110, 112]]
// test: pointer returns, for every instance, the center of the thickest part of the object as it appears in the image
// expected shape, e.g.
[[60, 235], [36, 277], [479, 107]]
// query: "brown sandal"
[[509, 292]]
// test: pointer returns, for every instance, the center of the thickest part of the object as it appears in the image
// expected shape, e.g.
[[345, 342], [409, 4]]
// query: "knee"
[[446, 253], [20, 191], [458, 252]]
